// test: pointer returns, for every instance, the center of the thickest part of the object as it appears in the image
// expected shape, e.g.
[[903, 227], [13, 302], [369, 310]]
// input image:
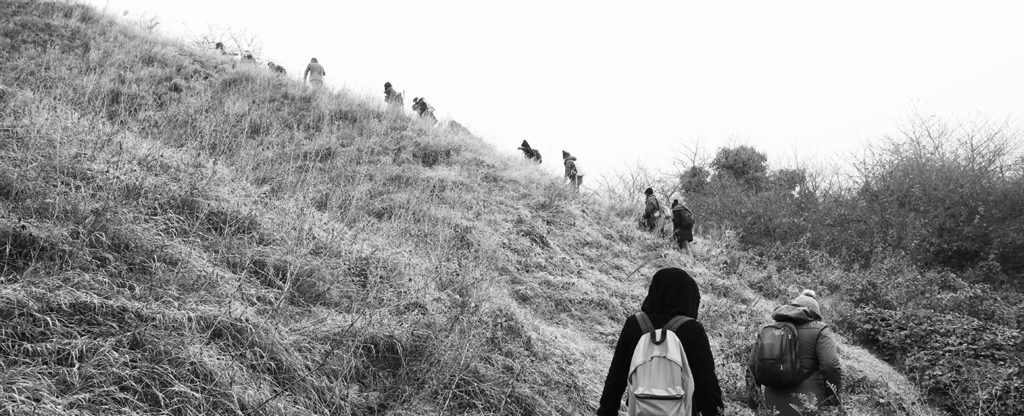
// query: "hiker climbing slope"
[[424, 110], [572, 170], [652, 210], [672, 294], [393, 98], [314, 73], [812, 370], [529, 152], [682, 224]]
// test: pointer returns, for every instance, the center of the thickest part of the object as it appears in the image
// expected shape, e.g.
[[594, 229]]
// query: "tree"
[[743, 163]]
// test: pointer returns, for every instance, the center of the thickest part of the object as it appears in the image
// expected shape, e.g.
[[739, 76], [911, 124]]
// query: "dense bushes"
[[921, 251], [970, 366]]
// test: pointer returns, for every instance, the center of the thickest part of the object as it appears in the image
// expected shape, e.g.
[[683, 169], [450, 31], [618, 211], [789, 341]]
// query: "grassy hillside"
[[184, 235]]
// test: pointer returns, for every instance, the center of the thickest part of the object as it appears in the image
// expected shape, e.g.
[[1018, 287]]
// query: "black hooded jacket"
[[673, 292]]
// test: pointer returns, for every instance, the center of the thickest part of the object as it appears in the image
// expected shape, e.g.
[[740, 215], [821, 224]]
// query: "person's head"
[[808, 299], [387, 85], [648, 192], [219, 45], [565, 155], [314, 60], [525, 144], [675, 202], [672, 292]]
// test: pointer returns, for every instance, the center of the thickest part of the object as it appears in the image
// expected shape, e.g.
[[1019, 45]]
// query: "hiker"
[[392, 98], [424, 110], [672, 302], [529, 152], [219, 46], [682, 224], [817, 373], [277, 69], [315, 73], [652, 210], [572, 170]]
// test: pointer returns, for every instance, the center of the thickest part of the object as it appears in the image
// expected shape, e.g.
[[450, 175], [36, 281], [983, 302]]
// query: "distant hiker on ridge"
[[682, 223], [392, 98], [814, 372], [315, 73], [652, 210], [663, 358], [277, 69], [424, 110], [572, 171], [529, 152]]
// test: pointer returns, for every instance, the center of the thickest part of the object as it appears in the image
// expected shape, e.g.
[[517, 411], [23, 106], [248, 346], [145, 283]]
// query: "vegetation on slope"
[[923, 252], [184, 235]]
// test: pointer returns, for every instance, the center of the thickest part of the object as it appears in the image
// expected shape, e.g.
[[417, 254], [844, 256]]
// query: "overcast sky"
[[620, 82]]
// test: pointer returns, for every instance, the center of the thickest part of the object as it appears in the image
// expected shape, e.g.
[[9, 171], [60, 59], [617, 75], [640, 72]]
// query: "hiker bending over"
[[682, 224], [817, 373], [277, 69], [314, 73], [652, 210], [572, 170], [393, 98], [668, 314], [529, 152], [424, 110]]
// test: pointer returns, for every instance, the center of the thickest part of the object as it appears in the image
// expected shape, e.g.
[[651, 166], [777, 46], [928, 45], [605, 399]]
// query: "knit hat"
[[808, 299], [565, 154]]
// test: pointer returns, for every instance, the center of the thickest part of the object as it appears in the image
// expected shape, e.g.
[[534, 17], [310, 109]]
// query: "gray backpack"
[[660, 381]]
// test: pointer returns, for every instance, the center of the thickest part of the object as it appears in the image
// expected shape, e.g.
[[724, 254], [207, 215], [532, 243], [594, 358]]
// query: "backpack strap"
[[645, 323], [677, 322]]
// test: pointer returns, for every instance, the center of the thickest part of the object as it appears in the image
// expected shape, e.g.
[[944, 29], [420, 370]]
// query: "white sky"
[[619, 82]]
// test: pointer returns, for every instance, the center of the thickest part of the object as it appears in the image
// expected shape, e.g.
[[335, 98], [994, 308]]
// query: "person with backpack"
[[529, 152], [572, 171], [796, 358], [663, 358], [682, 224], [393, 98], [652, 210]]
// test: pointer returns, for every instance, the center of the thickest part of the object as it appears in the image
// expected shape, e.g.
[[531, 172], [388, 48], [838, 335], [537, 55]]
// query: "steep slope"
[[187, 235]]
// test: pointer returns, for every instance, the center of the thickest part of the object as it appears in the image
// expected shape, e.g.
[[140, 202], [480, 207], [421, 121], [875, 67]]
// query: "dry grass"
[[183, 235]]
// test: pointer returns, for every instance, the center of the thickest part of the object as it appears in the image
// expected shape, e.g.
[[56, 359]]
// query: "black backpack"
[[775, 360], [687, 217]]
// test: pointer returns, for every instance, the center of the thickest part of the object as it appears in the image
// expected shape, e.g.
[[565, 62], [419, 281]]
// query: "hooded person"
[[682, 224], [672, 293], [572, 171], [818, 352], [530, 152]]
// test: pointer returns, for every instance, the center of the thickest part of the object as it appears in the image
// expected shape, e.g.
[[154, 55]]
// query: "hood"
[[795, 314], [571, 158], [672, 292], [525, 145], [565, 154]]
